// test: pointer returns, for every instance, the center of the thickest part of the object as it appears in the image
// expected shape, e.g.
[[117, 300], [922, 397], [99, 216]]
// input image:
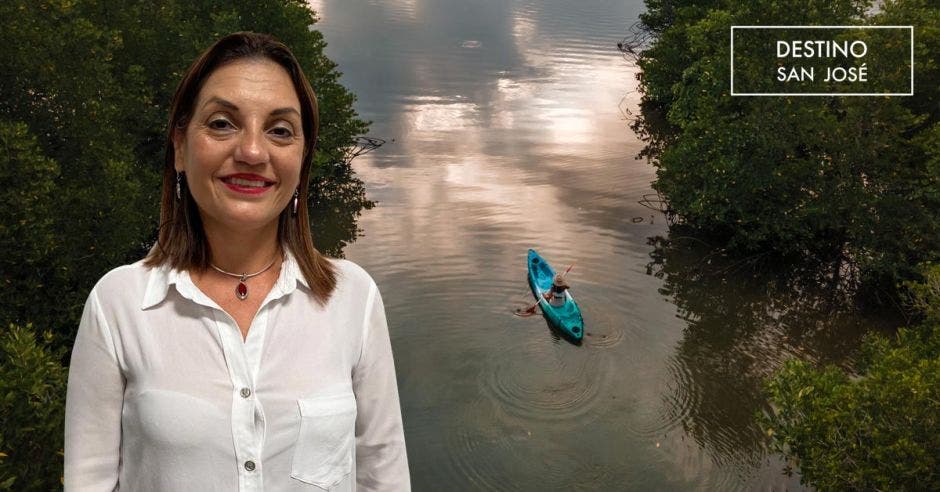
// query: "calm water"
[[506, 130]]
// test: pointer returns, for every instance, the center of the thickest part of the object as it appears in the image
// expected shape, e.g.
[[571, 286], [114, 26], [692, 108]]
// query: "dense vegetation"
[[32, 407], [852, 182], [879, 430], [854, 179], [84, 93]]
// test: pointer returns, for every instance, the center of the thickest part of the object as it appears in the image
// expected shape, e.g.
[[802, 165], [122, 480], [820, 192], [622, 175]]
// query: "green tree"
[[32, 397], [878, 430], [854, 182], [849, 178], [27, 234]]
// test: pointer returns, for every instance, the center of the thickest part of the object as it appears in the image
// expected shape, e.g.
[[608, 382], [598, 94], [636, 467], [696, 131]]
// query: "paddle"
[[529, 311]]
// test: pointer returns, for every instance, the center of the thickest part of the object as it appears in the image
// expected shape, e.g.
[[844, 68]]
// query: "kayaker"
[[556, 294]]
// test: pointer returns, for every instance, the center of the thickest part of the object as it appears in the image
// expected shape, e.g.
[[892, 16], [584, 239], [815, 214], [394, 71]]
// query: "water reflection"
[[743, 319], [338, 198]]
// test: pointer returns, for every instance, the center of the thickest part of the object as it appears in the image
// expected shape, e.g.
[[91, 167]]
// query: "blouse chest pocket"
[[324, 451]]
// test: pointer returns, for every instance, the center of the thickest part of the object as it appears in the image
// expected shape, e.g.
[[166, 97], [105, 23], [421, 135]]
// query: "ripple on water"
[[537, 382], [475, 450], [587, 476], [603, 329], [679, 398], [500, 446]]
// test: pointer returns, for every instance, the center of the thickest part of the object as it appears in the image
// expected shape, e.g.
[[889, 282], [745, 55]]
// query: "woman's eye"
[[283, 132], [219, 124]]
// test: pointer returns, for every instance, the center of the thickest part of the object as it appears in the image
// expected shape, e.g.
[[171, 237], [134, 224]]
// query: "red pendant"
[[241, 291]]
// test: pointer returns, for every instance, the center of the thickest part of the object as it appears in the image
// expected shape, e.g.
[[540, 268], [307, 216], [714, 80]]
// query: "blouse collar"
[[163, 276]]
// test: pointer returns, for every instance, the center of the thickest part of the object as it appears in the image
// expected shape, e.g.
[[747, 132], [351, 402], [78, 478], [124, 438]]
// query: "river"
[[507, 128]]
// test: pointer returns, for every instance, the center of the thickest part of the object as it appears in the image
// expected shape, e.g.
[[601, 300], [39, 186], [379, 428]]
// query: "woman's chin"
[[246, 221]]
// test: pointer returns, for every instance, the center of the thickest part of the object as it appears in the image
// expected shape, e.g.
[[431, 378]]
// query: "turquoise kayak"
[[567, 317]]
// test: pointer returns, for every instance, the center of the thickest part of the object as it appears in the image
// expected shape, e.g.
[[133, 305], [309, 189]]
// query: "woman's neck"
[[242, 251]]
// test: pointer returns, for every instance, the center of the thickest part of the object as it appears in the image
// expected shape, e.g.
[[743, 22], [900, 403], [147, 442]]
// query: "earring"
[[296, 200], [179, 180]]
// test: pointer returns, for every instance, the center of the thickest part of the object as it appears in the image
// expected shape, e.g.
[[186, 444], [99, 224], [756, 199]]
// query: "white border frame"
[[911, 93]]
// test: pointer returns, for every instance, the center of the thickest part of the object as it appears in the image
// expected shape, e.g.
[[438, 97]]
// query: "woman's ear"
[[178, 137]]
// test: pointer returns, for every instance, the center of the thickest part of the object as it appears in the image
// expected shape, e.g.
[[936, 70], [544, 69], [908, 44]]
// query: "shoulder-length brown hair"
[[181, 241]]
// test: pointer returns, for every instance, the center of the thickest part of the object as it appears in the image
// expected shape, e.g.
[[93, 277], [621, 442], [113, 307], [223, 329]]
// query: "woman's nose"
[[252, 147]]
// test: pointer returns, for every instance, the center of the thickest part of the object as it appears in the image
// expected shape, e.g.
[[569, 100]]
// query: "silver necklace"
[[241, 290]]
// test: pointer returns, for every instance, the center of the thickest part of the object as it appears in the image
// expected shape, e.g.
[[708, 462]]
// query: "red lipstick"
[[249, 184]]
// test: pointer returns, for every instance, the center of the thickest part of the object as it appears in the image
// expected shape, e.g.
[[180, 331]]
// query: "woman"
[[556, 294], [235, 356]]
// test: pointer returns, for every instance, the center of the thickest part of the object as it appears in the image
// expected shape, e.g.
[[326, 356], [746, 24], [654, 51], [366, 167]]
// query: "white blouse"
[[164, 395]]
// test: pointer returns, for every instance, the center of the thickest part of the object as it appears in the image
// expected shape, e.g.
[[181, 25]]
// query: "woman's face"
[[243, 148]]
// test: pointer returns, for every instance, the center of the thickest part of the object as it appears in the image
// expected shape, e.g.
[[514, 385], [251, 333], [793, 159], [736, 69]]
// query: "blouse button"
[[250, 465], [245, 392]]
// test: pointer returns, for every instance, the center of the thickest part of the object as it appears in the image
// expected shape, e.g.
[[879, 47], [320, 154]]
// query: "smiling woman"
[[235, 356], [241, 154]]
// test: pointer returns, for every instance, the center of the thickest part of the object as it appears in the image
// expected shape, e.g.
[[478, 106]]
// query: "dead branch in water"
[[636, 41]]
